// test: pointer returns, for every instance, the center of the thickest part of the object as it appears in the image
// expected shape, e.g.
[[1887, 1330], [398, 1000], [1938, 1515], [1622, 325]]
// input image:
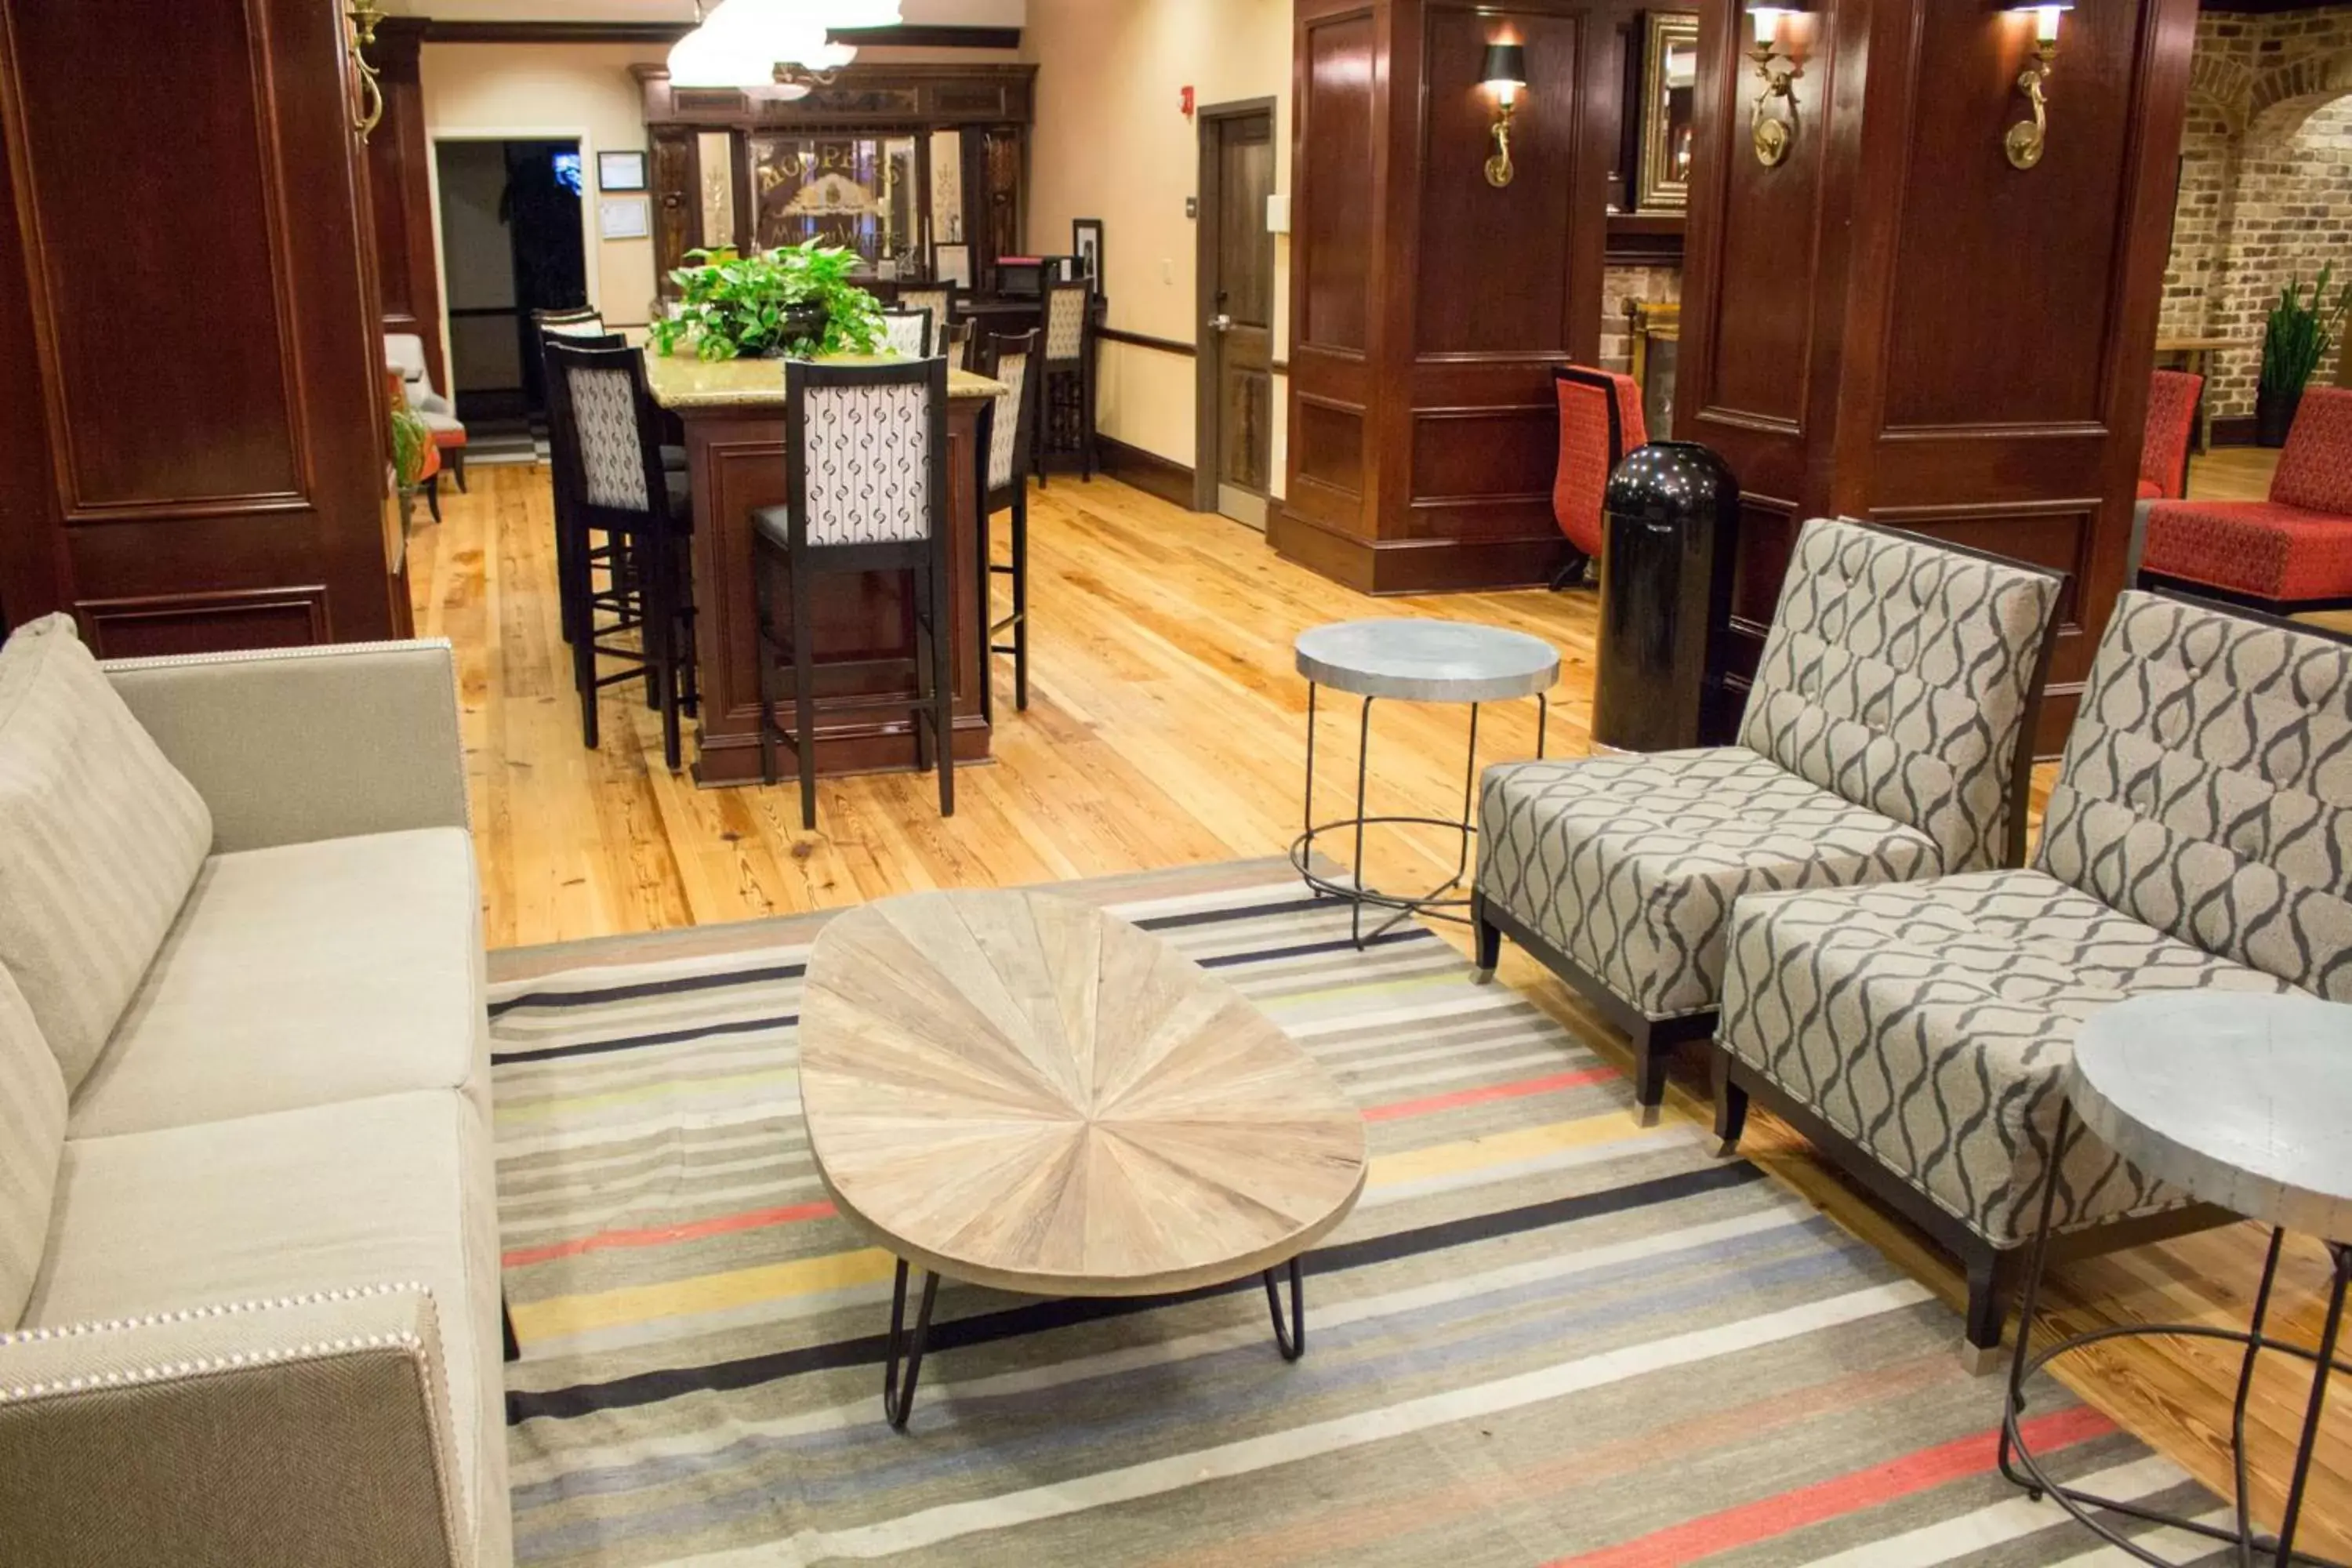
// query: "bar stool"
[[865, 488], [610, 483], [1008, 428], [1069, 365]]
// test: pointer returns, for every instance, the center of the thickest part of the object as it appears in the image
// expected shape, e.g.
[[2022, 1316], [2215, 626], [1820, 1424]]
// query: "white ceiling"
[[959, 13]]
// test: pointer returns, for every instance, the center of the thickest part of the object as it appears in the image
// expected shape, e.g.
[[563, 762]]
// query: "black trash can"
[[1666, 596]]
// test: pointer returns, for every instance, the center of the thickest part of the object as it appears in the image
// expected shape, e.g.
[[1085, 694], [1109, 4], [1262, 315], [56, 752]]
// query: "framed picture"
[[621, 171], [951, 263], [624, 218], [1086, 245], [1669, 90]]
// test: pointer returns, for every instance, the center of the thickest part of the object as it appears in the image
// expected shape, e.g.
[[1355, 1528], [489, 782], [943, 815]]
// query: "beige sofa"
[[254, 1294]]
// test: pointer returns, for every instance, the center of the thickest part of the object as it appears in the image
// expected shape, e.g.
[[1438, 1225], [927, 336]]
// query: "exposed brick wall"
[[2265, 181], [1620, 288]]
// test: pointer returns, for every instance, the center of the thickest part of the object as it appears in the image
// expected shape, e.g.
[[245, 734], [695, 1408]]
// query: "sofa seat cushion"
[[32, 1142], [99, 840], [1630, 864], [2262, 549], [385, 1191], [299, 976], [1932, 1023]]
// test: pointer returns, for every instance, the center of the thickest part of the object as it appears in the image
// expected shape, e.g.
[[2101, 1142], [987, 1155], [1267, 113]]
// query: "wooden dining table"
[[732, 413]]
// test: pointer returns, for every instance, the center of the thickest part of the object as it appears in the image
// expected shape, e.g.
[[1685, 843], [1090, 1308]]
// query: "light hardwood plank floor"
[[1166, 728]]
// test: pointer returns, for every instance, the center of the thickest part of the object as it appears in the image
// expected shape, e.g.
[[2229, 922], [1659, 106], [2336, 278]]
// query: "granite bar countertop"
[[681, 381]]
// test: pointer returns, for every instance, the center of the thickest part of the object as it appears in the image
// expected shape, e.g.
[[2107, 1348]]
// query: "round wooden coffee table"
[[1027, 1093]]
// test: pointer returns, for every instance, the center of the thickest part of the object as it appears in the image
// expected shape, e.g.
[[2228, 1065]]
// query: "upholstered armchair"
[[1919, 1033], [2172, 398], [1882, 742], [1600, 422], [404, 353], [2287, 555]]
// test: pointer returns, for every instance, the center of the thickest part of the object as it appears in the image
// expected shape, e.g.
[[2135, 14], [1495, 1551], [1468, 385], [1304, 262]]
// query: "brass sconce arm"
[[2029, 139], [1499, 169], [1772, 126], [364, 15]]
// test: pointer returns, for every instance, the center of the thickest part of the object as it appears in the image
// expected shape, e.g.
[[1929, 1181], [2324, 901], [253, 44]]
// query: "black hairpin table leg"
[[1290, 1339], [898, 1398]]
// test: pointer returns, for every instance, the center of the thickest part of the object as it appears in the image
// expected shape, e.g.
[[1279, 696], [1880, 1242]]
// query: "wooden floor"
[[1166, 728]]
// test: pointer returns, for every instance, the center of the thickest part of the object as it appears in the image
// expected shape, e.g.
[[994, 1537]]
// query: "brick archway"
[[2282, 98]]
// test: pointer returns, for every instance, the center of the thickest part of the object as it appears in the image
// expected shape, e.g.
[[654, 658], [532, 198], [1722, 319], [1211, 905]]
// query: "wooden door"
[[1233, 463], [194, 434]]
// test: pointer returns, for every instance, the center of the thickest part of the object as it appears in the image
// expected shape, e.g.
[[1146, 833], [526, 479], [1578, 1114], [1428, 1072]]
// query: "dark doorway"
[[510, 243], [1234, 398]]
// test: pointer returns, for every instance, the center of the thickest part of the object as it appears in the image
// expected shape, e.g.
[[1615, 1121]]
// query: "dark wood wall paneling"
[[1896, 324], [194, 445], [1428, 308], [400, 185]]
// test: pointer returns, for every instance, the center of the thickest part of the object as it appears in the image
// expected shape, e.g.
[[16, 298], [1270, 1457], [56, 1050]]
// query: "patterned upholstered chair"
[[2289, 553], [1881, 742], [939, 299], [907, 331], [1600, 422], [404, 353], [1010, 425], [1919, 1033], [620, 511], [866, 487]]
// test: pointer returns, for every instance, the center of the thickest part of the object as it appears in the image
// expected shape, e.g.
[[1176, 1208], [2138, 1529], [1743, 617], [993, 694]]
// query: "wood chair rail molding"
[[1428, 307], [1895, 323]]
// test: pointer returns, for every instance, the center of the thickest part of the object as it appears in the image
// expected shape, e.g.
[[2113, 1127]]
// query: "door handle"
[[1221, 323]]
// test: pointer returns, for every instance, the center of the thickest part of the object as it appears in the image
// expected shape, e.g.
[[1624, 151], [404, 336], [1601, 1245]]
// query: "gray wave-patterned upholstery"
[[2196, 837], [1877, 745], [1931, 1023], [1630, 864]]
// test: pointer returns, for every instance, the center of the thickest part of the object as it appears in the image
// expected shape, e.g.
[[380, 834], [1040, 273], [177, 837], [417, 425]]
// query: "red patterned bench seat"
[[2292, 551]]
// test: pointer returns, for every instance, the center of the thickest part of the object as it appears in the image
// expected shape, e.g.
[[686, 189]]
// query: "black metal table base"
[[2020, 1464], [906, 1346], [1441, 902]]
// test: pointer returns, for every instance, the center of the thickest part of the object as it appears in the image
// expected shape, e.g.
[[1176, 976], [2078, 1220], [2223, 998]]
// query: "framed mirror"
[[1669, 83]]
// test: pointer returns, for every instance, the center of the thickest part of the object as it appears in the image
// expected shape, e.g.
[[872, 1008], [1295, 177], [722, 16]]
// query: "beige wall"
[[552, 89], [1110, 143]]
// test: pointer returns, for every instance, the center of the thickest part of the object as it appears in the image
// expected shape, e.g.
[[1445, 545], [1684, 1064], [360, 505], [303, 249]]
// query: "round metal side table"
[[2238, 1100], [1413, 661]]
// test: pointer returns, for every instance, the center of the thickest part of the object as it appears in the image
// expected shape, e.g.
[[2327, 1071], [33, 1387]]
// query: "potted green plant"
[[2294, 340], [412, 442], [796, 301]]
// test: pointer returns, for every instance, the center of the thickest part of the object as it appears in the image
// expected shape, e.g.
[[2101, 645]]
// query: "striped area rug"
[[1548, 1335]]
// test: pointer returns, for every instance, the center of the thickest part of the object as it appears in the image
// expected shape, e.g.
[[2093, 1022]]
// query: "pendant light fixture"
[[743, 43]]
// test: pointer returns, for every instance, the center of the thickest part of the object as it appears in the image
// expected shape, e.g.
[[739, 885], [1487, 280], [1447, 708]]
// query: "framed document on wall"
[[621, 171]]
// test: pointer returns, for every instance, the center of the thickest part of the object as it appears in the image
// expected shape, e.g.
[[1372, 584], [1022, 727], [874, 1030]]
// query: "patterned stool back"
[[601, 432], [1013, 421], [868, 447], [2206, 787], [1066, 321], [908, 332], [1901, 674], [939, 299]]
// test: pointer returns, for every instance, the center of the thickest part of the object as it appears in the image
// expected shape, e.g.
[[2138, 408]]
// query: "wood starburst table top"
[[1025, 1092]]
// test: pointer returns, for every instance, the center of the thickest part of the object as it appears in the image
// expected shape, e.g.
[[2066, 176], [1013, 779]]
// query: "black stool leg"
[[987, 601], [943, 675], [919, 587], [1021, 598], [583, 638], [661, 644], [763, 587], [805, 692]]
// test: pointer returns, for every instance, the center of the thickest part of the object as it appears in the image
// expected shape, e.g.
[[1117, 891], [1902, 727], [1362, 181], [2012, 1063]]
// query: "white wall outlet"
[[1277, 215], [1167, 270]]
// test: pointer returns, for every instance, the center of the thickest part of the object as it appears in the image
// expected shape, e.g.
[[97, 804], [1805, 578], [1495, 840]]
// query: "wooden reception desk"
[[733, 413]]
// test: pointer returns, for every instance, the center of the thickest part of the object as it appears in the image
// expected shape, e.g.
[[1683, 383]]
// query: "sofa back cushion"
[[100, 839], [32, 1142], [2206, 788], [1898, 675]]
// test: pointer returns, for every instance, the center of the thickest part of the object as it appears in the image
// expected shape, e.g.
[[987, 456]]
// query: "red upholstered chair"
[[2171, 420], [1600, 422], [2290, 553]]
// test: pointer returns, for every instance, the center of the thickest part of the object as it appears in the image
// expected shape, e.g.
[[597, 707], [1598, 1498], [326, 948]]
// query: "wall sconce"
[[364, 14], [1505, 72], [1772, 128], [2028, 139]]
